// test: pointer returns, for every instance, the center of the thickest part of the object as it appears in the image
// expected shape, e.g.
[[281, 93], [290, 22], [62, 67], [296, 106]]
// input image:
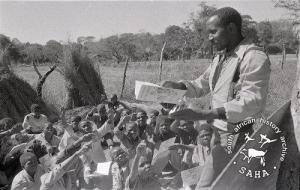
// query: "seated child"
[[35, 122]]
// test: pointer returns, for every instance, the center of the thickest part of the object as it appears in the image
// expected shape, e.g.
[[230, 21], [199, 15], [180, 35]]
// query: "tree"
[[293, 6], [53, 51], [12, 47], [33, 53], [249, 28], [197, 23]]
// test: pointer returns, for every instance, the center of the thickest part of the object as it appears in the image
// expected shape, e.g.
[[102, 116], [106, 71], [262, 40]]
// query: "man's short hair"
[[25, 157], [229, 15]]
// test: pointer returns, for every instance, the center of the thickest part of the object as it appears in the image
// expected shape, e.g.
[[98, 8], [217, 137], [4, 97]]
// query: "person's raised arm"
[[52, 177], [108, 125], [140, 151]]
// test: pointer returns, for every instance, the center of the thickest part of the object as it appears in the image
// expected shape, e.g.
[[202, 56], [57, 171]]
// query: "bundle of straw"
[[16, 97], [80, 74]]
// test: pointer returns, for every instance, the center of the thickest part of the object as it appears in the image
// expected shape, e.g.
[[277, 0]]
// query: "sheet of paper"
[[103, 168], [192, 175], [163, 147], [146, 91]]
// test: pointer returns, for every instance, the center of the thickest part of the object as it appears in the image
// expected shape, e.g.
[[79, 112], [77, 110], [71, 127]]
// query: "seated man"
[[49, 139], [35, 122], [72, 132], [197, 154], [33, 177], [162, 130]]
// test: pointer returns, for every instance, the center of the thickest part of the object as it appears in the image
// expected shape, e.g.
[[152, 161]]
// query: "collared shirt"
[[23, 181], [200, 154], [36, 125], [244, 99]]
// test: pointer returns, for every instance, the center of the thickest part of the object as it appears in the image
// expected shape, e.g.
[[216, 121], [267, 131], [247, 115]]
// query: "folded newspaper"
[[146, 91]]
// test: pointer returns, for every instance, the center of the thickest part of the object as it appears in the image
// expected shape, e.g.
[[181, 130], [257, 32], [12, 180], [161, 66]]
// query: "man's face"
[[86, 127], [144, 167], [49, 130], [186, 125], [75, 124], [132, 130], [31, 165], [204, 137], [164, 128], [141, 118], [217, 34]]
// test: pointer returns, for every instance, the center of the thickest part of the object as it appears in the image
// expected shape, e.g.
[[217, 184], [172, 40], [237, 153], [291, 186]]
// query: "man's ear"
[[231, 28]]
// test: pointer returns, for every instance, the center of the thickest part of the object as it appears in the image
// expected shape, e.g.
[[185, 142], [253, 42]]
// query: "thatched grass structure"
[[84, 83], [16, 95]]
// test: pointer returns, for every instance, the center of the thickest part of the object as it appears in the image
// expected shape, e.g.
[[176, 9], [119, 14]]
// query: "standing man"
[[238, 82]]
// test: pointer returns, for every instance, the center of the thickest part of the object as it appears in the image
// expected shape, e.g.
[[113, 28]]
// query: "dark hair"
[[35, 107], [76, 118], [229, 15]]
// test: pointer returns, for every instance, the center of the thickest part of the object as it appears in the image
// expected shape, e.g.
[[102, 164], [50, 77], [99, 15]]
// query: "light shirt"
[[23, 181], [68, 138], [200, 154], [36, 125], [243, 99]]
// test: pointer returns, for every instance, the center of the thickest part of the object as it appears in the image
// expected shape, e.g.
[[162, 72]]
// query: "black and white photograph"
[[150, 95]]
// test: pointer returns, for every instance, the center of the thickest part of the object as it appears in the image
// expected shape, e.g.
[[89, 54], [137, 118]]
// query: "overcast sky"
[[40, 21]]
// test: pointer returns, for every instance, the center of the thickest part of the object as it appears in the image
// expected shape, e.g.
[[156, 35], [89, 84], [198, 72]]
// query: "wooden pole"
[[124, 77], [161, 60]]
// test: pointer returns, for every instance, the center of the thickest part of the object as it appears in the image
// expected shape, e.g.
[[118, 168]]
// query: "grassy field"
[[54, 91]]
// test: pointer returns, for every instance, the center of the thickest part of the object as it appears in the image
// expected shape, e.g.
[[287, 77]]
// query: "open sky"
[[40, 21]]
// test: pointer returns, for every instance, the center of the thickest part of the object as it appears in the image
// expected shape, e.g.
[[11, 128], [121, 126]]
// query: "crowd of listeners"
[[64, 154]]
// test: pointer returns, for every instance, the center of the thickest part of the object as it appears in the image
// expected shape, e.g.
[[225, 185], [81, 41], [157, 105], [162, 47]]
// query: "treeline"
[[182, 42]]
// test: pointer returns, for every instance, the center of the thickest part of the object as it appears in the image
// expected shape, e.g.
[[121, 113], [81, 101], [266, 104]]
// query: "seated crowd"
[[39, 154]]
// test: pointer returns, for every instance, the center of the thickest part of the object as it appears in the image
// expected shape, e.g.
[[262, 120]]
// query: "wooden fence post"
[[124, 77], [161, 61]]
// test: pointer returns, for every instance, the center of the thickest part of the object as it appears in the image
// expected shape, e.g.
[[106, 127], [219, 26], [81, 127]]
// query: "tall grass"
[[280, 86]]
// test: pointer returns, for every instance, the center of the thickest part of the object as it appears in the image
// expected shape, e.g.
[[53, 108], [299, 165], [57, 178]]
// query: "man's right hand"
[[173, 84]]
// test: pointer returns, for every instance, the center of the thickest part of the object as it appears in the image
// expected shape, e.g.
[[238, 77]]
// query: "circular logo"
[[262, 152]]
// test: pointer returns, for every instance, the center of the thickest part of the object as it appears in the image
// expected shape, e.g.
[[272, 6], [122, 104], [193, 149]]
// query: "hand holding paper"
[[146, 91]]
